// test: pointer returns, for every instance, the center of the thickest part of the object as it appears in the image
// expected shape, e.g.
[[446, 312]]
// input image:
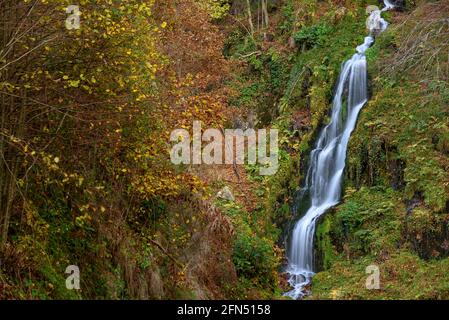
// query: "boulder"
[[226, 194]]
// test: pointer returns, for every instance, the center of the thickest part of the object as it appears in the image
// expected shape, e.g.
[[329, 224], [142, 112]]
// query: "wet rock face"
[[397, 168], [433, 244], [398, 3], [427, 231]]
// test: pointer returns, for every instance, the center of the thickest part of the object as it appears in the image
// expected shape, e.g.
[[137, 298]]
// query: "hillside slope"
[[395, 212]]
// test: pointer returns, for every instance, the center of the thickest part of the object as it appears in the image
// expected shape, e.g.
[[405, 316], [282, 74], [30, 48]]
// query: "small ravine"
[[324, 177]]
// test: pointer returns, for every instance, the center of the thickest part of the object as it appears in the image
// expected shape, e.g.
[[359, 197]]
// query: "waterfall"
[[327, 161]]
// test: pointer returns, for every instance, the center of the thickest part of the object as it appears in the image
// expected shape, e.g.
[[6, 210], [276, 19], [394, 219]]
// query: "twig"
[[257, 53], [164, 251]]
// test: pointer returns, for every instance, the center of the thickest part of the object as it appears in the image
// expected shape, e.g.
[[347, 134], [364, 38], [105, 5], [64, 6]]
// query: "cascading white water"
[[327, 161]]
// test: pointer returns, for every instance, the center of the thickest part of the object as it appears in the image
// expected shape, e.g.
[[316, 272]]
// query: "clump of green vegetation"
[[253, 258], [365, 224], [313, 36], [402, 276], [255, 255], [325, 253]]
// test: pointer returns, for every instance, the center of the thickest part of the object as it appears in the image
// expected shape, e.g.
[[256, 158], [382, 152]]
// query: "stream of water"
[[324, 177]]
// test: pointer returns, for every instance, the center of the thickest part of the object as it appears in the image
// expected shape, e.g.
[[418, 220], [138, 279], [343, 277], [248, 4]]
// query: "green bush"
[[254, 258], [313, 36]]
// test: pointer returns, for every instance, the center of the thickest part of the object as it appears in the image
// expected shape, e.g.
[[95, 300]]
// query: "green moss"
[[402, 276], [367, 222], [324, 245]]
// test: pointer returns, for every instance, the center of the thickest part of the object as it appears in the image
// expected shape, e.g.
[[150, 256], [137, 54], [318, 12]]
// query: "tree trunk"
[[250, 17], [266, 19]]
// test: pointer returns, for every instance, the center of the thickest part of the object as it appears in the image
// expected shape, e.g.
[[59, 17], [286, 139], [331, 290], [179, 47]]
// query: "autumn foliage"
[[86, 116]]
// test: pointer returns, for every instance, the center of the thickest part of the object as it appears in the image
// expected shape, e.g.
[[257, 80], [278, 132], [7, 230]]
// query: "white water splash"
[[327, 160]]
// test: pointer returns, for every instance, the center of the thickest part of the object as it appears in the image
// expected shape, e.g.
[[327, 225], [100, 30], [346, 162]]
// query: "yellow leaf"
[[74, 84]]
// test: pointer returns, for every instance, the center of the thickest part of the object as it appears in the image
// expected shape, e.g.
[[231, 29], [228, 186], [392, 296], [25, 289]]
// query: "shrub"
[[254, 258], [313, 36]]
